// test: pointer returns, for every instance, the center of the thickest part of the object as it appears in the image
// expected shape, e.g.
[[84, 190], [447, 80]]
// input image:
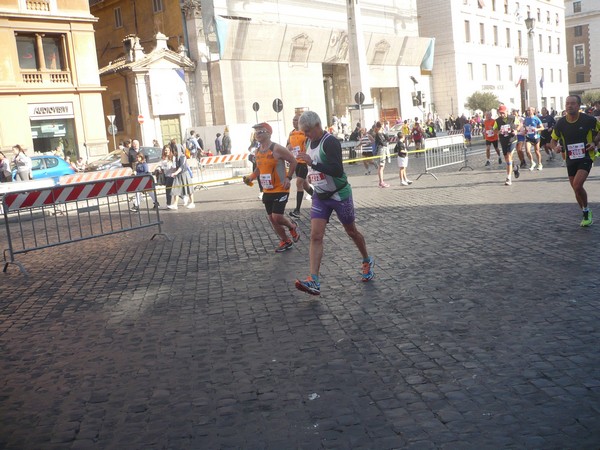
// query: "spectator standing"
[[132, 154], [218, 144], [192, 144], [167, 166], [366, 143], [381, 141], [182, 182], [141, 168], [400, 150], [226, 143], [5, 173], [406, 133], [332, 193], [23, 164], [124, 147], [417, 135], [80, 165]]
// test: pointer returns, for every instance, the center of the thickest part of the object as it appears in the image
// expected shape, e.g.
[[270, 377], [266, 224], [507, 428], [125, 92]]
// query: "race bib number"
[[317, 179], [530, 130], [576, 151], [296, 151], [505, 130], [265, 181], [490, 133]]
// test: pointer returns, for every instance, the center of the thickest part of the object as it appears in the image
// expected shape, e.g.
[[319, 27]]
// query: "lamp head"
[[529, 23]]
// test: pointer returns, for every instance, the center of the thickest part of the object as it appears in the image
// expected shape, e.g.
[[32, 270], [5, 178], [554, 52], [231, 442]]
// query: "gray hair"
[[309, 119]]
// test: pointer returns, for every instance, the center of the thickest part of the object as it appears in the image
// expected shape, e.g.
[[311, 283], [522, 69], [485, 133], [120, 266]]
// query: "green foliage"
[[589, 97], [485, 101]]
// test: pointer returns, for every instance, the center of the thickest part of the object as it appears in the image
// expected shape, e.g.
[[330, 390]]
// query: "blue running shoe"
[[367, 270], [309, 286]]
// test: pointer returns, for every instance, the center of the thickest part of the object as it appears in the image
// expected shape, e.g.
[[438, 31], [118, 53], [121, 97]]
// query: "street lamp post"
[[531, 82]]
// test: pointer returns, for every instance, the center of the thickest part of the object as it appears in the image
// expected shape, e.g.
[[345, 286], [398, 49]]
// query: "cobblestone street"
[[481, 329]]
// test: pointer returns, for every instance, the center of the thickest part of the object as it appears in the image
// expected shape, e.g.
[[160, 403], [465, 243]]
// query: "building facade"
[[583, 44], [49, 85], [249, 54], [485, 46]]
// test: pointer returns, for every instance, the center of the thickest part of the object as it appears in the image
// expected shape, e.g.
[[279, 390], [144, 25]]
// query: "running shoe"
[[294, 232], [587, 219], [539, 166], [309, 286], [284, 246], [499, 160], [532, 167], [507, 182], [409, 182], [134, 209], [523, 165], [404, 183], [383, 185], [367, 269], [487, 163], [517, 173], [295, 214]]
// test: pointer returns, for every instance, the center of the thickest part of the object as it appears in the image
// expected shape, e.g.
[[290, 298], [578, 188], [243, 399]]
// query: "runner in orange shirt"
[[491, 137], [275, 181], [297, 144]]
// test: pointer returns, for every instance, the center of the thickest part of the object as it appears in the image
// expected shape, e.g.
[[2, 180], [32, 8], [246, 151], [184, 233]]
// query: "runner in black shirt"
[[576, 134]]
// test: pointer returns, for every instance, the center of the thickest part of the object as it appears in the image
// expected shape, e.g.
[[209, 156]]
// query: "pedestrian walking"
[[182, 179], [332, 193]]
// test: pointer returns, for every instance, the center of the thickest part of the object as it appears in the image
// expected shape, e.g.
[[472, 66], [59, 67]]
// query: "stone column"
[[200, 93], [357, 60]]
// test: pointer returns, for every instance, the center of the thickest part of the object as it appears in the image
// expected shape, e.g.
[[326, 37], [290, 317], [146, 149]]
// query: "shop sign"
[[41, 111]]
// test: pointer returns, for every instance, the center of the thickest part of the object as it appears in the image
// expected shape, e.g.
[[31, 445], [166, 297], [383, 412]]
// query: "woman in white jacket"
[[22, 163]]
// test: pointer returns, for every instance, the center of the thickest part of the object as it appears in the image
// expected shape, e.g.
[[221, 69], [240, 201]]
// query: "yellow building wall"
[[109, 38]]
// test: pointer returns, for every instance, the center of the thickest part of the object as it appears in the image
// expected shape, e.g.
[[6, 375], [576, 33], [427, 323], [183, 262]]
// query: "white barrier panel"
[[444, 151]]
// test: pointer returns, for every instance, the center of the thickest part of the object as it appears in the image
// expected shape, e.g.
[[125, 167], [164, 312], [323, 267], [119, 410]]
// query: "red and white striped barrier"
[[84, 177], [219, 159], [84, 191]]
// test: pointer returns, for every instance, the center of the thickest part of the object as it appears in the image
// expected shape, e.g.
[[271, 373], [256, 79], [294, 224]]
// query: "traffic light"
[[417, 98]]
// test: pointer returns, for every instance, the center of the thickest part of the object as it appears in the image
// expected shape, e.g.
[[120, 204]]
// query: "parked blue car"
[[48, 166]]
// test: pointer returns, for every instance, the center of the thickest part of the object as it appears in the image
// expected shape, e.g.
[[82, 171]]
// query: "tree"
[[589, 97], [485, 101]]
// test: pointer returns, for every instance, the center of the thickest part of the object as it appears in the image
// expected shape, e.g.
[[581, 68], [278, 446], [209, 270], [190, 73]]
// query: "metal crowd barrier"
[[218, 169], [46, 217], [445, 151]]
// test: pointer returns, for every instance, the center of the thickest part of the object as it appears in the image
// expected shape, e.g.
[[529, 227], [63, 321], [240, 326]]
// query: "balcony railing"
[[38, 5], [46, 78]]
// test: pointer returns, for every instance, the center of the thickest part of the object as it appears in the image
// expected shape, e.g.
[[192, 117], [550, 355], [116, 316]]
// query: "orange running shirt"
[[491, 135], [298, 143], [271, 171]]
